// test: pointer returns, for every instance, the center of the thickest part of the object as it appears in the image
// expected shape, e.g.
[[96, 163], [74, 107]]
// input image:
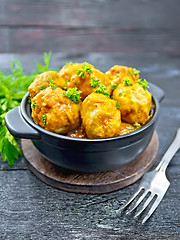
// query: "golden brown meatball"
[[85, 77], [135, 102], [44, 80], [118, 73], [100, 116], [55, 112]]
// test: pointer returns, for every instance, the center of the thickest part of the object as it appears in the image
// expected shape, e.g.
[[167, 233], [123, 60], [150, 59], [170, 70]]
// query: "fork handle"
[[173, 148]]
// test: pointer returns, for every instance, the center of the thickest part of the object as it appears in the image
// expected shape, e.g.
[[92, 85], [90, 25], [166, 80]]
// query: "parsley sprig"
[[44, 119], [134, 71], [73, 94], [144, 83], [94, 82], [41, 88], [117, 104], [13, 86], [51, 84], [102, 89], [86, 68], [114, 86], [68, 63], [127, 82], [33, 105]]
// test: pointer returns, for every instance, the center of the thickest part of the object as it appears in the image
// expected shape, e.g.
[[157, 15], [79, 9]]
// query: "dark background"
[[141, 33], [118, 26]]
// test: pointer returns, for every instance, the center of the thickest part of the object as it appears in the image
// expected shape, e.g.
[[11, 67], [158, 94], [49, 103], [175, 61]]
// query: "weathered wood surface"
[[26, 40], [91, 13], [84, 26], [30, 209]]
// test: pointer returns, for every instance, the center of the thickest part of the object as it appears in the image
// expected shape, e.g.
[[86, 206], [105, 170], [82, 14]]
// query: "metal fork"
[[153, 185]]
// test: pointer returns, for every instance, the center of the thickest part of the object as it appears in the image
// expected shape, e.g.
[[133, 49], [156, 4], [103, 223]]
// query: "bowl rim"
[[41, 130]]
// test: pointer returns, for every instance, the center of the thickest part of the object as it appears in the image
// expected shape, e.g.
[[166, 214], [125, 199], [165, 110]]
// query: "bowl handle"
[[156, 91], [18, 127]]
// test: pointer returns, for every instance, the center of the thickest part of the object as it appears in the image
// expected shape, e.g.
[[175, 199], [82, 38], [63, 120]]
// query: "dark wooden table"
[[143, 34]]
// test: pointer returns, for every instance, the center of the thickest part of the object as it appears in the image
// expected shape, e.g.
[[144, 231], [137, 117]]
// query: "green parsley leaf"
[[43, 67], [117, 104], [135, 127], [64, 88], [44, 119], [29, 99], [114, 86], [66, 81], [94, 82], [102, 89], [144, 83], [33, 105], [127, 82], [73, 94], [134, 72], [86, 68], [68, 63], [51, 84], [41, 88], [9, 148]]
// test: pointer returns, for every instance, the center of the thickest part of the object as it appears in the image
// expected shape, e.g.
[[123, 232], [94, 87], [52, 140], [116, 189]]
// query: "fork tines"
[[149, 199]]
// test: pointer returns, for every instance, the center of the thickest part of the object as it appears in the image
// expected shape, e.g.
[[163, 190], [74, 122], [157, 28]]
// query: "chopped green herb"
[[144, 83], [73, 94], [44, 119], [86, 68], [117, 104], [29, 99], [41, 88], [68, 63], [135, 127], [51, 84], [66, 81], [134, 71], [102, 89], [114, 86], [127, 82], [33, 105], [64, 88], [120, 94], [94, 82]]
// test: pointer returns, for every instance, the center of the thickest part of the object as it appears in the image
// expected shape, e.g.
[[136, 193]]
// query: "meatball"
[[119, 73], [100, 116], [85, 77], [44, 80], [135, 102], [55, 112]]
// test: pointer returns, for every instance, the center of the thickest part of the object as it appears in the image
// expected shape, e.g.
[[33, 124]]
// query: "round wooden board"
[[102, 182]]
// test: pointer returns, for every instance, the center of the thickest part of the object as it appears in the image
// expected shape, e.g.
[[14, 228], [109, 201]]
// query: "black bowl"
[[84, 155]]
